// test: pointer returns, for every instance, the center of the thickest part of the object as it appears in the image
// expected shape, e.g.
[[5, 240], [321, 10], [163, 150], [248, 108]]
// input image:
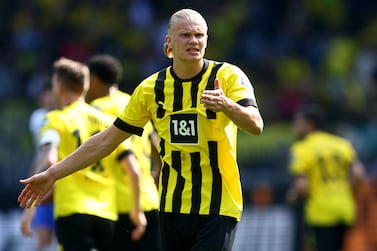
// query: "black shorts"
[[151, 240], [329, 238], [83, 232], [182, 232]]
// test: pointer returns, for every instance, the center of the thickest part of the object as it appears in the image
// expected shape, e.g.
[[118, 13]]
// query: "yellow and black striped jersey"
[[198, 146], [90, 190], [141, 146], [326, 161]]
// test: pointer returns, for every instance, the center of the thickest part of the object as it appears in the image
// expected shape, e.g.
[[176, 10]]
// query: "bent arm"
[[248, 119]]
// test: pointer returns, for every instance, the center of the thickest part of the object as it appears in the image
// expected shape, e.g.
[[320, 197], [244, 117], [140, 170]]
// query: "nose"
[[193, 39]]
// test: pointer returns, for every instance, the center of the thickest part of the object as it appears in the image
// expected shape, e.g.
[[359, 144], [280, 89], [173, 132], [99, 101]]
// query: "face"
[[187, 39], [48, 100]]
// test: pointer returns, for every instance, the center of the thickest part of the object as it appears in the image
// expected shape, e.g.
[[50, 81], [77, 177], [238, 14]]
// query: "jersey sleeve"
[[136, 114], [349, 152], [299, 161], [49, 136], [236, 85], [51, 128]]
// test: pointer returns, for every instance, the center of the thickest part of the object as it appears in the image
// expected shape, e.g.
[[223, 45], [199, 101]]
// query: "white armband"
[[50, 136]]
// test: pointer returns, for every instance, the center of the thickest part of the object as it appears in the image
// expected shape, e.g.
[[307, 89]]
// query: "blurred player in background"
[[136, 190], [325, 169], [40, 219], [84, 203]]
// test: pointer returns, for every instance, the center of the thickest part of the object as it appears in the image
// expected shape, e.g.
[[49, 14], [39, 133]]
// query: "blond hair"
[[183, 14], [72, 74]]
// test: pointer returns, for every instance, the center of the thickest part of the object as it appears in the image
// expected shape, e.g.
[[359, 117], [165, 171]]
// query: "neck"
[[105, 90], [69, 99], [187, 70]]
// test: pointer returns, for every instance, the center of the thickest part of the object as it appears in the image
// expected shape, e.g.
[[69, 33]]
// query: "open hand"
[[36, 187]]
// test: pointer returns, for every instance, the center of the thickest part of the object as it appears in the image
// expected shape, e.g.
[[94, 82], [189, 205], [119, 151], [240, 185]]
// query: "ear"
[[217, 84], [57, 87], [167, 39], [167, 48]]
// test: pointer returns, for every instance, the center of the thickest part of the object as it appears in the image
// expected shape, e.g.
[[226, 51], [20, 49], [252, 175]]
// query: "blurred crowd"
[[294, 50]]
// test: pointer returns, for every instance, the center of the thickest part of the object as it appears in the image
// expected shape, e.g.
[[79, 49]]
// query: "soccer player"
[[322, 164], [84, 203], [41, 218], [196, 106], [136, 183]]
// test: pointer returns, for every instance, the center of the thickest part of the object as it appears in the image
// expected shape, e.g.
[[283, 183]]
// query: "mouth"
[[193, 50]]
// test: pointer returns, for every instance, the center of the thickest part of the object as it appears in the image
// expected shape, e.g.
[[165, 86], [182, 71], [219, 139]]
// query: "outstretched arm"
[[247, 118], [94, 149]]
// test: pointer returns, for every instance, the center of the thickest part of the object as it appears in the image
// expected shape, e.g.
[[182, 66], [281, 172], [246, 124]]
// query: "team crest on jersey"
[[184, 128], [244, 80]]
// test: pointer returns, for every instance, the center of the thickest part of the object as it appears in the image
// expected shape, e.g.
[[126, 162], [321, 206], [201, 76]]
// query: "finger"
[[217, 84], [24, 196], [30, 202], [25, 192], [21, 196], [31, 199], [25, 181], [21, 203], [24, 202], [138, 233]]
